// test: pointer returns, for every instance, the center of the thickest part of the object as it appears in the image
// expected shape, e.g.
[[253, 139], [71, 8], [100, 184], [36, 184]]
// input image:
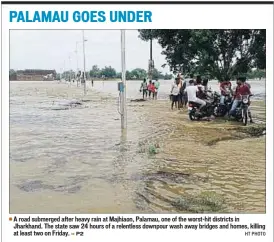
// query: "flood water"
[[72, 158], [257, 87]]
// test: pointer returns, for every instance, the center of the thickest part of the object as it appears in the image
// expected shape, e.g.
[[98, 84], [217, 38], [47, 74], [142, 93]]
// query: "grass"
[[150, 148], [205, 202]]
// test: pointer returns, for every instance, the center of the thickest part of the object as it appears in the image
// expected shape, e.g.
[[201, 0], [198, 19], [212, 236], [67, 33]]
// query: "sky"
[[55, 49]]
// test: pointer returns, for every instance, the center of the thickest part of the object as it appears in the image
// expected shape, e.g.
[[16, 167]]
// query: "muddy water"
[[257, 88], [71, 157]]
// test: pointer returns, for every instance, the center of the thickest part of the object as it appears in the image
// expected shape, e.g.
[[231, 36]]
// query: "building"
[[34, 75]]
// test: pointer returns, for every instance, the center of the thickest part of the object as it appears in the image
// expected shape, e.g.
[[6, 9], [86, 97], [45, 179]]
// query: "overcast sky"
[[49, 49]]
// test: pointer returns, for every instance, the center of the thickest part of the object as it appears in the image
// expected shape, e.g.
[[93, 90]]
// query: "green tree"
[[138, 73], [256, 74], [108, 72], [68, 74], [12, 75], [156, 74], [216, 53], [58, 76], [119, 75], [95, 71], [129, 75], [167, 76]]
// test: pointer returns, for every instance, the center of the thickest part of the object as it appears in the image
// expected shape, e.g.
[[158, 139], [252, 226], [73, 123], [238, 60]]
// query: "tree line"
[[136, 74], [109, 72], [212, 53], [215, 54]]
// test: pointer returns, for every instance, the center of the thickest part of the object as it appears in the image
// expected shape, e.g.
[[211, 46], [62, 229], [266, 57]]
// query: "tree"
[[58, 76], [119, 75], [129, 75], [68, 74], [12, 75], [156, 74], [216, 53], [139, 73], [167, 76], [95, 71], [256, 74], [108, 72]]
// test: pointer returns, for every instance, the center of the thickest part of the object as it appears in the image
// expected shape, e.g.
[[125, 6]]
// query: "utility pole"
[[77, 70], [64, 73], [69, 70], [123, 94], [150, 62], [84, 56], [150, 48]]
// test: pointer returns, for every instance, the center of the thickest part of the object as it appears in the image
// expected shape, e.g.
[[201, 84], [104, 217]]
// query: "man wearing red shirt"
[[225, 88], [241, 90]]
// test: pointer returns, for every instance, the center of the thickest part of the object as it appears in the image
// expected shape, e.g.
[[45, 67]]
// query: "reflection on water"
[[68, 155]]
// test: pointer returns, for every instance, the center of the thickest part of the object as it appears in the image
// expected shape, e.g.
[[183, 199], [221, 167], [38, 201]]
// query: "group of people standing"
[[195, 90], [188, 90], [192, 90], [151, 89]]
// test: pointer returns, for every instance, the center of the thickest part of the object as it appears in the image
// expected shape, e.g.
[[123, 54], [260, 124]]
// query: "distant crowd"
[[151, 89]]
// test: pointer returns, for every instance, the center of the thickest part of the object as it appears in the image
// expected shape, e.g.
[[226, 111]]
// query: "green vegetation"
[[212, 53], [152, 150], [12, 75], [217, 54], [109, 72], [258, 74], [205, 202], [252, 74], [58, 76]]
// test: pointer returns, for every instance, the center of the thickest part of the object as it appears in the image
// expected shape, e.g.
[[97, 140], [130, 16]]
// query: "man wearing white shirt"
[[184, 86], [191, 91], [174, 93]]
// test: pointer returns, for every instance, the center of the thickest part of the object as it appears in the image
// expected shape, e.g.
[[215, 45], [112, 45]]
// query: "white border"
[[164, 17]]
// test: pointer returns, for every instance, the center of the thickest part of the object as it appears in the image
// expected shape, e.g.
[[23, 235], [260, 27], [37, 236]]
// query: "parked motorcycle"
[[207, 111], [222, 109], [242, 110]]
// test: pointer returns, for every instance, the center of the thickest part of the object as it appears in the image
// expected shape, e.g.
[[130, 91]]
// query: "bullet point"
[[10, 219]]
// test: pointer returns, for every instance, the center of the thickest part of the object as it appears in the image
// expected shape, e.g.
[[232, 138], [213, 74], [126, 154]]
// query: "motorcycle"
[[242, 110], [207, 110], [222, 109]]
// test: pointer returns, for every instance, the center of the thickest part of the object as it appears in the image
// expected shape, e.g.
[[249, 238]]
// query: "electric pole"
[[84, 56]]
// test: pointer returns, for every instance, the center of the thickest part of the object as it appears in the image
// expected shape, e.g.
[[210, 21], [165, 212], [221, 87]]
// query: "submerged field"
[[163, 163]]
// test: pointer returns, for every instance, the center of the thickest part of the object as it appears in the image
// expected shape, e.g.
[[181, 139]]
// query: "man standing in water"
[[175, 93], [183, 89], [153, 90], [157, 86], [144, 88], [149, 89]]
